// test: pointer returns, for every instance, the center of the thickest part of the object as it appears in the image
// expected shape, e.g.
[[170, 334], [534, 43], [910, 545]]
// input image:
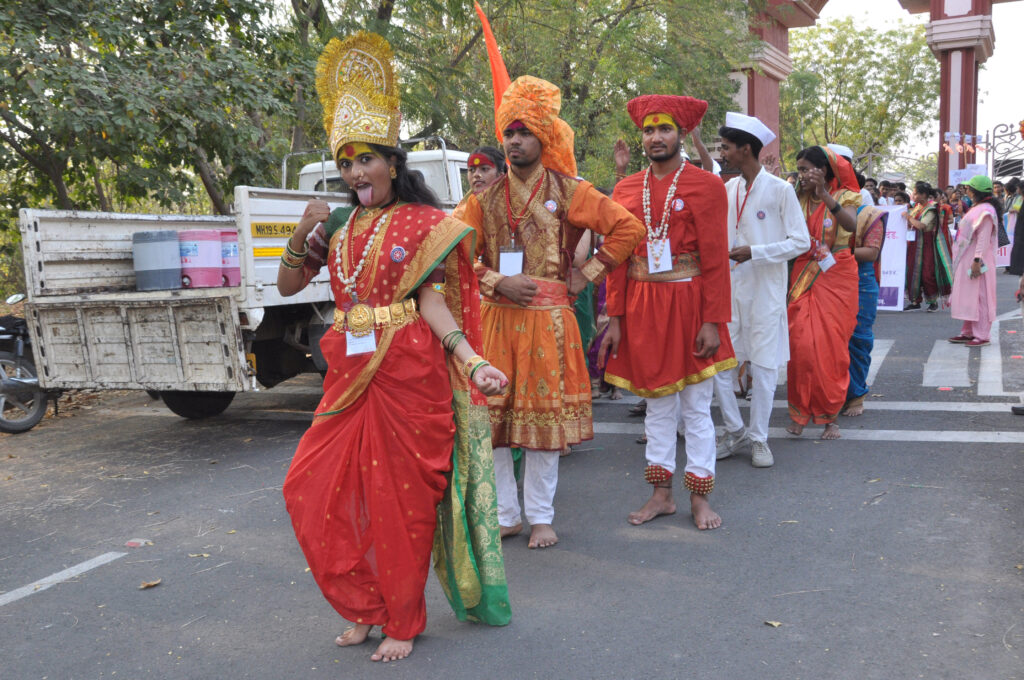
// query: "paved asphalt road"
[[895, 552]]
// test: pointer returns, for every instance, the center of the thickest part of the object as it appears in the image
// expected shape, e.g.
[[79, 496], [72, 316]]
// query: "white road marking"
[[878, 353], [947, 365], [811, 432], [990, 373], [59, 577]]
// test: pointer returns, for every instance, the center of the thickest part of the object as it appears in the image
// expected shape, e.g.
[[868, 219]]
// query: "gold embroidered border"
[[677, 386]]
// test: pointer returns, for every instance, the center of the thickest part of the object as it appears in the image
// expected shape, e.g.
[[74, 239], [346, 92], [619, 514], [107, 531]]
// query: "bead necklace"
[[349, 282], [662, 230]]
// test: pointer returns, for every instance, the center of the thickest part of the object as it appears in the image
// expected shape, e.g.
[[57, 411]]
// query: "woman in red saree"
[[397, 462], [823, 297]]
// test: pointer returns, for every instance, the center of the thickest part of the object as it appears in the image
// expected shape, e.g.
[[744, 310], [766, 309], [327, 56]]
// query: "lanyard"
[[513, 222], [739, 208]]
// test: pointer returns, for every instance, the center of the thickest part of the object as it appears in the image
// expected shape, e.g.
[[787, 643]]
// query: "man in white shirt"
[[766, 230]]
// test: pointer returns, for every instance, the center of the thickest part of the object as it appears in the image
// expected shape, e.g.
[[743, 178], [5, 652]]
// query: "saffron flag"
[[499, 74]]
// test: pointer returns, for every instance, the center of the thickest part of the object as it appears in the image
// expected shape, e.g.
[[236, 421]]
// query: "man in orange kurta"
[[670, 304], [528, 225]]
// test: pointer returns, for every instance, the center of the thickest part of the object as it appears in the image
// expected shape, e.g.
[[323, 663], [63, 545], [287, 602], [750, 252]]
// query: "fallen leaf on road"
[[232, 531], [773, 624], [872, 481], [199, 554], [150, 584], [876, 499], [247, 440], [789, 521], [1020, 566]]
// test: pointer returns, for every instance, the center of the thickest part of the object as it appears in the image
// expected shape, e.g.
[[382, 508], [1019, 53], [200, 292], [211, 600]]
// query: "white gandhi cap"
[[751, 125], [840, 150]]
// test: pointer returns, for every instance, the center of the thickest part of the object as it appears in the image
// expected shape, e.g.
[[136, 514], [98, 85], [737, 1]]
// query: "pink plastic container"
[[200, 258], [230, 274]]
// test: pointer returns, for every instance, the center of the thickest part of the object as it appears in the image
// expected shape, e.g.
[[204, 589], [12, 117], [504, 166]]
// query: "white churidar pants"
[[540, 478], [693, 407], [763, 395]]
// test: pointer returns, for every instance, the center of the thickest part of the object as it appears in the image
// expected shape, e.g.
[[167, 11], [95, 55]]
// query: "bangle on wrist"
[[290, 263], [473, 363], [472, 371], [452, 339], [288, 249]]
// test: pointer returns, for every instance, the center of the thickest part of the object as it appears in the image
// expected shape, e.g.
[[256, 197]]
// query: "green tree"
[[600, 53], [135, 98], [867, 89]]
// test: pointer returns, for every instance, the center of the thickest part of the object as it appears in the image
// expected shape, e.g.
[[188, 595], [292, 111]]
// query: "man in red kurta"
[[670, 303]]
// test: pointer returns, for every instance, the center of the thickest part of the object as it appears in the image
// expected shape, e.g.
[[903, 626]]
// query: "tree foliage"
[[867, 89], [134, 98], [130, 104]]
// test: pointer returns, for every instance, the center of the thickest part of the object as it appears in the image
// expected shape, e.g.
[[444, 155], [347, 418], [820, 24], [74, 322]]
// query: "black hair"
[[409, 185], [872, 180], [903, 195], [923, 188], [885, 183], [496, 155], [990, 198], [860, 177], [741, 138], [819, 159], [1012, 184], [901, 186]]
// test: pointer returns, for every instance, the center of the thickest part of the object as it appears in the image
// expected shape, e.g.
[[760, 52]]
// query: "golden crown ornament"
[[355, 80]]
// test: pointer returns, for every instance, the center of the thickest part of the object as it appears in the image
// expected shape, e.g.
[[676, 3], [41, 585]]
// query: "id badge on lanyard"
[[659, 256], [510, 259], [360, 344]]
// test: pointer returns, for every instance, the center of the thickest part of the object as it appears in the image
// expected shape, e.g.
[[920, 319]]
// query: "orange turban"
[[685, 111], [536, 103]]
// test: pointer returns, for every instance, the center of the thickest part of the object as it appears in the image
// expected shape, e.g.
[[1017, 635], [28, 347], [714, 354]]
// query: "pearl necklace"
[[662, 231], [349, 282]]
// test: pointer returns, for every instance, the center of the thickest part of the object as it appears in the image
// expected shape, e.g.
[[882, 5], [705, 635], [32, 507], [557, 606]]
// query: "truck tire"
[[197, 405], [21, 413]]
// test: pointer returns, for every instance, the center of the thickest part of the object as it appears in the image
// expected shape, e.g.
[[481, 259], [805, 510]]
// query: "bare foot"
[[660, 503], [511, 531], [615, 394], [542, 536], [392, 650], [795, 429], [356, 635], [565, 452], [703, 516], [831, 432], [853, 411]]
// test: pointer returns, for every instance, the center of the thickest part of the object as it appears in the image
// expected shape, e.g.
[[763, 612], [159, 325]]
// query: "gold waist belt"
[[684, 266], [362, 318]]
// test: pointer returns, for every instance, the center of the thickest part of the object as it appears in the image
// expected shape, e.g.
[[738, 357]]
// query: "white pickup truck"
[[197, 347]]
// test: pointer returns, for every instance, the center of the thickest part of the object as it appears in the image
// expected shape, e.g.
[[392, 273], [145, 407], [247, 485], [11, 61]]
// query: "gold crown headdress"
[[356, 83]]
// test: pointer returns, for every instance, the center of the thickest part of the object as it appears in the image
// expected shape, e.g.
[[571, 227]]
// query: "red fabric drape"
[[822, 315]]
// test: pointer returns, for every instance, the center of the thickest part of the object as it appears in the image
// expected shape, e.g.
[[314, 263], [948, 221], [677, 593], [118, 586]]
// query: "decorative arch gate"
[[1007, 148]]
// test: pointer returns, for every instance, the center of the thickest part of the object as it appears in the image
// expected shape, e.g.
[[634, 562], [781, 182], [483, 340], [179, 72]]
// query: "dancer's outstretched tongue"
[[365, 194]]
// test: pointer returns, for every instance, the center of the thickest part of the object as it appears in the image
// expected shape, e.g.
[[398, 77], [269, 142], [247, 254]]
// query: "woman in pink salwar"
[[974, 273]]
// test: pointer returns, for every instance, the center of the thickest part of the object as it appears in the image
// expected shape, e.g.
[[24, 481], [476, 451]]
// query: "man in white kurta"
[[766, 230]]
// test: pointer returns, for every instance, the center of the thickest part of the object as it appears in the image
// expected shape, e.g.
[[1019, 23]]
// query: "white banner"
[[960, 176], [894, 260]]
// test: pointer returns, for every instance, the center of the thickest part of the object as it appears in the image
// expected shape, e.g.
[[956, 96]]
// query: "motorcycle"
[[22, 401]]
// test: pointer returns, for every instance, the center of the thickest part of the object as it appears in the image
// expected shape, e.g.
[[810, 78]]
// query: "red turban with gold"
[[536, 103], [687, 112]]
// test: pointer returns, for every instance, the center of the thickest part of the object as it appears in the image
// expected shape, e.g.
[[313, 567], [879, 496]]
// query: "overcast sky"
[[1002, 76]]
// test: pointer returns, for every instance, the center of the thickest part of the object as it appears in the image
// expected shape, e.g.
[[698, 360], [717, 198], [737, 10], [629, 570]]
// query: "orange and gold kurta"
[[661, 318], [547, 405]]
